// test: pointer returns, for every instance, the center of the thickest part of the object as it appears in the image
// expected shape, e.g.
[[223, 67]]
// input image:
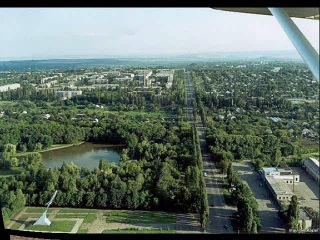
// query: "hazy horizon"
[[53, 33]]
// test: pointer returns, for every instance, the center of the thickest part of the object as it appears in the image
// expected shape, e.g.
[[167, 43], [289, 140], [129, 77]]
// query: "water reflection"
[[85, 155]]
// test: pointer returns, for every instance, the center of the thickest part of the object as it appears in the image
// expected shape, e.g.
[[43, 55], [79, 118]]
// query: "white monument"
[[43, 220]]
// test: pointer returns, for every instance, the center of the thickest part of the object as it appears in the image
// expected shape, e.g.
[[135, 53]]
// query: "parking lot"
[[307, 190], [268, 208]]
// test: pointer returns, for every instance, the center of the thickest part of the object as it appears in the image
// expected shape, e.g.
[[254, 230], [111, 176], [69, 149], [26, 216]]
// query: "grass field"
[[309, 144], [59, 226], [82, 231], [87, 218], [71, 215], [18, 223], [137, 231], [70, 210], [141, 217], [64, 219], [38, 210]]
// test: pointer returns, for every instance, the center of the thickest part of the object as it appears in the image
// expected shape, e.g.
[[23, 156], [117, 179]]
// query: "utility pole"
[[293, 182]]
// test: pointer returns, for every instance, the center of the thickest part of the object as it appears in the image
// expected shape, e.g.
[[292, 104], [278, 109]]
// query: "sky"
[[38, 33]]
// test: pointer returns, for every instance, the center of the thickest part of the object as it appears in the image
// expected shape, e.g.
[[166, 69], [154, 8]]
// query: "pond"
[[85, 155]]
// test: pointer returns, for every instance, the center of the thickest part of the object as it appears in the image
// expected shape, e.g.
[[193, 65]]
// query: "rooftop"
[[315, 161], [279, 186], [268, 170]]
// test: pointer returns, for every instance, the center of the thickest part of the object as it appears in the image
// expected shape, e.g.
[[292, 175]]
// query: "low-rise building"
[[279, 189], [8, 87], [285, 175], [68, 94], [278, 181], [311, 165]]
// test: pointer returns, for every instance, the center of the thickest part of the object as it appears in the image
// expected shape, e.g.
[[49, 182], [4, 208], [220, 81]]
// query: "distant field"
[[313, 155], [306, 143], [140, 217], [146, 114], [59, 226], [137, 231]]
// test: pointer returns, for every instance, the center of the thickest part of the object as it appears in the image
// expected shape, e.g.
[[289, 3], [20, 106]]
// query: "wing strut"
[[305, 49]]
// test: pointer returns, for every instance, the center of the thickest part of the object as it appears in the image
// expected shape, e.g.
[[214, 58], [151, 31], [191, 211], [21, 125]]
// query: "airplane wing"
[[309, 13]]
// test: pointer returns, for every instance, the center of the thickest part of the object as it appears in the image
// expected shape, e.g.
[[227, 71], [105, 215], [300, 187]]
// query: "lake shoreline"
[[87, 154], [62, 146]]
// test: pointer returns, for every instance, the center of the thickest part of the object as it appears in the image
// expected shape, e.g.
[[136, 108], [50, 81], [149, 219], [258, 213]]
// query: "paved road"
[[307, 190], [219, 213], [268, 208]]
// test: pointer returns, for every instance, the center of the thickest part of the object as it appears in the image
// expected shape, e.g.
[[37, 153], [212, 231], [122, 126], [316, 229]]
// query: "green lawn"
[[9, 172], [82, 231], [137, 231], [88, 218], [141, 217], [18, 223], [38, 210], [60, 226], [58, 215], [73, 210]]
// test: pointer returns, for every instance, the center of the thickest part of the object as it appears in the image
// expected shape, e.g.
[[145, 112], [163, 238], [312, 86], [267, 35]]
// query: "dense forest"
[[158, 170]]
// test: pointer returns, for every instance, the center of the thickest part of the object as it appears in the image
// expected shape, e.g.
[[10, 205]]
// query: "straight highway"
[[219, 221]]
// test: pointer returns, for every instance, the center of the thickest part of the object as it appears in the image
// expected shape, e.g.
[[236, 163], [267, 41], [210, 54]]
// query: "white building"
[[127, 75], [285, 175], [68, 94], [312, 167], [278, 181], [166, 73], [143, 75], [279, 189], [8, 87]]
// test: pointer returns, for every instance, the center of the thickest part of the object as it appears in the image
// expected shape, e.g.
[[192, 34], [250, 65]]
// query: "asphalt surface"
[[219, 221], [307, 190], [268, 208]]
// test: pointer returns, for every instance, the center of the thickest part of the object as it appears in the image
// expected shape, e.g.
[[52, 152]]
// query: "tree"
[[293, 213], [276, 157], [230, 174], [303, 224], [14, 162]]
